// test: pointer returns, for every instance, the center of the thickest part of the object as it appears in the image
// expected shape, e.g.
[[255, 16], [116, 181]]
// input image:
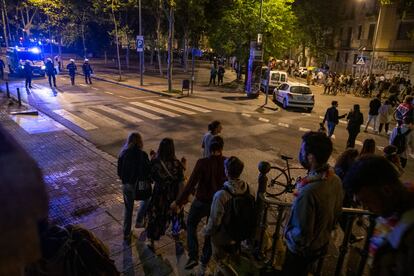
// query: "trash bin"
[[186, 86]]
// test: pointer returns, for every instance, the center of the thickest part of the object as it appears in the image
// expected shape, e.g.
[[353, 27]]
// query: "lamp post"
[[374, 43], [141, 54]]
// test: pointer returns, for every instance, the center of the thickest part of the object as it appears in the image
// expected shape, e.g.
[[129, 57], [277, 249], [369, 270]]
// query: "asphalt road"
[[105, 113]]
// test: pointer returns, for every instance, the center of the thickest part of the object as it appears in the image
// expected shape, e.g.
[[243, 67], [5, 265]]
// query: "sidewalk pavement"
[[84, 189]]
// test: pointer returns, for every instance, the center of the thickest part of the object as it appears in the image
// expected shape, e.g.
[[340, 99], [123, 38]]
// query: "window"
[[300, 90], [341, 30], [338, 55], [275, 77], [355, 58], [346, 57], [404, 30], [349, 37], [371, 32], [359, 32]]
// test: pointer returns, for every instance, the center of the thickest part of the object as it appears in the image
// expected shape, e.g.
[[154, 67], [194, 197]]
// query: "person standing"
[[87, 71], [374, 106], [213, 74], [133, 169], [385, 116], [58, 61], [403, 138], [355, 120], [315, 210], [50, 72], [168, 174], [208, 177], [71, 67], [376, 184], [332, 118], [2, 66], [28, 73], [214, 129], [220, 74]]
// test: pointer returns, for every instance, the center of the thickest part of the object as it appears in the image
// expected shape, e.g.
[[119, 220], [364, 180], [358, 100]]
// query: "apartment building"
[[374, 38]]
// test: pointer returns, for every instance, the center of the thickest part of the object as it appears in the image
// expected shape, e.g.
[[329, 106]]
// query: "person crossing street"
[[332, 118], [87, 71], [51, 72], [71, 67]]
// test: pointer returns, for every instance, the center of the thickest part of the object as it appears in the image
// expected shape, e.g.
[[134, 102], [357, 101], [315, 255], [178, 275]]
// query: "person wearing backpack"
[[402, 137], [231, 216], [316, 208]]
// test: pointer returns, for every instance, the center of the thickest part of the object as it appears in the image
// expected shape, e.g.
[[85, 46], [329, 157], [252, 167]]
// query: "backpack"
[[400, 140], [240, 219]]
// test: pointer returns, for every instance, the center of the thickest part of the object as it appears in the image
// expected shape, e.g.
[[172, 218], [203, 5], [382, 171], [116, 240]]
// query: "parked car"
[[301, 72], [276, 78], [291, 94]]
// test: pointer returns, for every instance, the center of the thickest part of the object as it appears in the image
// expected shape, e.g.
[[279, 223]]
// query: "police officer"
[[27, 72], [2, 66], [51, 72], [87, 71], [71, 67]]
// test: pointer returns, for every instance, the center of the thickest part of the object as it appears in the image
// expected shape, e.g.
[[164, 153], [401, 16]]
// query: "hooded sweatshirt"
[[220, 206]]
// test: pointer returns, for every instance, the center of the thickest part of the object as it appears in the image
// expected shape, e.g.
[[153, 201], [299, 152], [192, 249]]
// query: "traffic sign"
[[140, 43], [360, 61]]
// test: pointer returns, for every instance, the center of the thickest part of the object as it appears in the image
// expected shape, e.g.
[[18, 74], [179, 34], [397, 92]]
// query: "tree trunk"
[[170, 47], [83, 39], [60, 51], [127, 55], [152, 52], [303, 55], [3, 7], [185, 57], [117, 42], [158, 41]]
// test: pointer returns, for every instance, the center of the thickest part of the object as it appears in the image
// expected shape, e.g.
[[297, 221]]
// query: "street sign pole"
[[141, 53], [192, 70]]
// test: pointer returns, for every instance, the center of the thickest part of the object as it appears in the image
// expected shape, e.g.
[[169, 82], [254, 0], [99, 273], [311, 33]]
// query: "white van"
[[276, 78]]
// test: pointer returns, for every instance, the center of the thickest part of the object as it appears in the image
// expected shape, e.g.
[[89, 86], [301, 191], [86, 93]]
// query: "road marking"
[[141, 112], [264, 120], [246, 115], [104, 120], [304, 129], [110, 93], [359, 143], [178, 109], [119, 114], [320, 117], [283, 124], [75, 119], [124, 97], [380, 148], [306, 114], [155, 109], [94, 88], [84, 85], [186, 105], [343, 122]]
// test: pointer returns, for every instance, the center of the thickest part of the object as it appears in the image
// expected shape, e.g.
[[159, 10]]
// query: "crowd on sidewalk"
[[219, 194]]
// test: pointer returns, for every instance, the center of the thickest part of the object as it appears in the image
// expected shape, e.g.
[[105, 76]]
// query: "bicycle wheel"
[[278, 180]]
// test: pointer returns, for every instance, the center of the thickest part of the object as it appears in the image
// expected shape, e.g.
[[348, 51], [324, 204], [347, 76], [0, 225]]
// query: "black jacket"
[[71, 68], [87, 69], [133, 165], [332, 115], [374, 106], [355, 120], [50, 69]]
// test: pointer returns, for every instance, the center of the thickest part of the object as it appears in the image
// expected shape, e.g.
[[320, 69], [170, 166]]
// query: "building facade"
[[374, 38]]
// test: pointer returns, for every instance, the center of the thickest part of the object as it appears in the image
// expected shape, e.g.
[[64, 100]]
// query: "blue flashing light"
[[35, 50]]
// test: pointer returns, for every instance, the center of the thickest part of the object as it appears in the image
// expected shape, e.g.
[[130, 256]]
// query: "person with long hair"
[[133, 168], [368, 147], [168, 174], [355, 120], [214, 129]]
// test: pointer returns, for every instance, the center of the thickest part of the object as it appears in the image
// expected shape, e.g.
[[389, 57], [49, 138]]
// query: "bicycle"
[[282, 182]]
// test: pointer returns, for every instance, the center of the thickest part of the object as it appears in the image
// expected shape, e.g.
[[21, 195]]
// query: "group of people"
[[51, 71], [217, 72]]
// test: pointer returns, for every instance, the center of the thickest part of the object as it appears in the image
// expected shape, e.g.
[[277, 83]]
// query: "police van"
[[16, 57]]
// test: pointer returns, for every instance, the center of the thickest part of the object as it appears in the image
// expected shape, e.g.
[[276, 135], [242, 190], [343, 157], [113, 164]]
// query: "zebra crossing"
[[119, 115]]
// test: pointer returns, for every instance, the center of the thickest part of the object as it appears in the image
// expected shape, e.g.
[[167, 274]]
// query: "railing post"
[[264, 168], [343, 249], [365, 250], [7, 89], [276, 234], [19, 98]]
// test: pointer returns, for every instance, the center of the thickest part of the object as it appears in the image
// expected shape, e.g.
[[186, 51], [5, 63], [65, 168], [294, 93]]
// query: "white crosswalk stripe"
[[178, 109], [75, 119], [196, 108], [142, 113], [155, 109], [100, 118], [118, 113]]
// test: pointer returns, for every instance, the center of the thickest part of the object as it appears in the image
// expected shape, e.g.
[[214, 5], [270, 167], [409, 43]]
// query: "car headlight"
[[43, 67]]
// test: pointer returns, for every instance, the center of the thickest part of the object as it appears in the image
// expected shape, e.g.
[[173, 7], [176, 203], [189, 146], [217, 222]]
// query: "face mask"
[[303, 158]]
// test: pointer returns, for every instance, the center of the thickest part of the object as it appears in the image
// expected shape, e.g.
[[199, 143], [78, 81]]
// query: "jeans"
[[72, 79], [331, 128], [28, 82], [129, 196], [50, 78], [198, 211], [387, 125], [370, 118], [88, 78]]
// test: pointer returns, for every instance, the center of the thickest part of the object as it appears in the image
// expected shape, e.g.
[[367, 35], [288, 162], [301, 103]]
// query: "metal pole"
[[343, 249], [7, 89], [19, 98], [141, 54], [374, 44], [192, 71]]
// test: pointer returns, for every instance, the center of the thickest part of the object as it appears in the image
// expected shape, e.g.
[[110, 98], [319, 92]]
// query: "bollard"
[[343, 249], [7, 89], [264, 168], [19, 98], [365, 250]]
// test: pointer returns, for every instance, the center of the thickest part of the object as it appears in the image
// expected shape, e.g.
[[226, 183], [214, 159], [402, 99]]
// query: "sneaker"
[[191, 263]]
